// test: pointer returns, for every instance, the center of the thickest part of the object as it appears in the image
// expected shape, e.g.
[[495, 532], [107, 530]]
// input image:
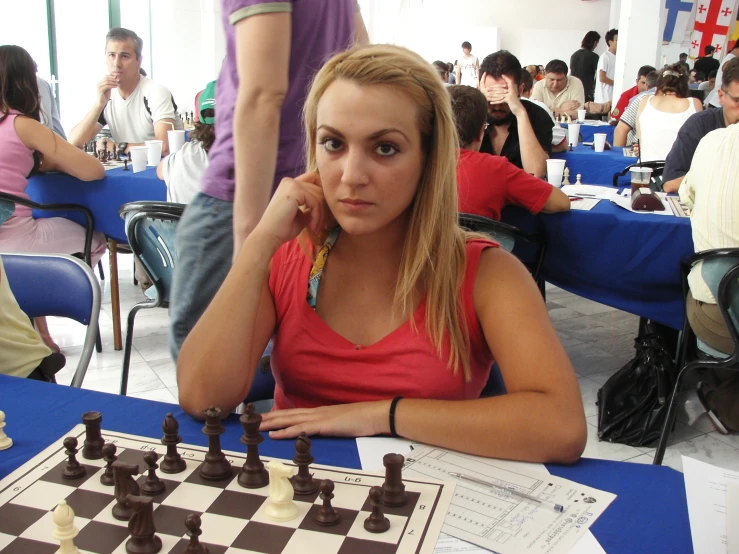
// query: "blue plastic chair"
[[57, 285], [720, 271]]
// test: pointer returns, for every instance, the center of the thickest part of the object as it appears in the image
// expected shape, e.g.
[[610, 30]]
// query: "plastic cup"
[[155, 151], [580, 116], [555, 172], [176, 140], [599, 141], [640, 177], [139, 155], [574, 131]]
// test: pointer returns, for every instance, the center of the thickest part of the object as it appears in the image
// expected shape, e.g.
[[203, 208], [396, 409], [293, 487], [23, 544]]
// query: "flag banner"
[[677, 19], [713, 19]]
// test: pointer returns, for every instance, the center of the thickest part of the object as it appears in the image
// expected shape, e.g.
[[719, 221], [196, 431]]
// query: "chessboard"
[[113, 164], [677, 207], [232, 518]]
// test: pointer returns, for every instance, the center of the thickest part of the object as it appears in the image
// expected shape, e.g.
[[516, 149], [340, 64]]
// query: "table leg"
[[115, 299]]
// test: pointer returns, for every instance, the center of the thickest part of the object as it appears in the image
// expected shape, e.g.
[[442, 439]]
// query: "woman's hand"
[[362, 419], [298, 203]]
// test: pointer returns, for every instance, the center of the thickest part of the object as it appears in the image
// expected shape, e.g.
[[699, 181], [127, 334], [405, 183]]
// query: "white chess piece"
[[578, 182], [5, 441], [566, 177], [65, 530], [280, 506]]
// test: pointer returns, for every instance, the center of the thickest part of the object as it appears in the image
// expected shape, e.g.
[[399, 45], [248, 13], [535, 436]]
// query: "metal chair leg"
[[100, 269], [669, 422], [128, 347], [98, 341]]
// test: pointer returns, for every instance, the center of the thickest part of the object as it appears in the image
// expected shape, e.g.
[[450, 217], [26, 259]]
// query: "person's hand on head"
[[298, 203], [105, 85], [495, 94], [511, 97]]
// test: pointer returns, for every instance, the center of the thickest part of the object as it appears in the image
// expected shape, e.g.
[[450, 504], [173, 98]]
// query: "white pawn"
[[566, 177], [280, 506], [5, 441], [65, 530], [578, 179]]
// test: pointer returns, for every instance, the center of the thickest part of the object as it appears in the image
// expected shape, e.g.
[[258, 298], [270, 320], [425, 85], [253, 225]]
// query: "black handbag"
[[632, 404]]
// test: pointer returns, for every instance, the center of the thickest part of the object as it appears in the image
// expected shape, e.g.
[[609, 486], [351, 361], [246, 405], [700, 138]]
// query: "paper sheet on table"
[[732, 518], [584, 204], [371, 451], [586, 191], [705, 488], [625, 203]]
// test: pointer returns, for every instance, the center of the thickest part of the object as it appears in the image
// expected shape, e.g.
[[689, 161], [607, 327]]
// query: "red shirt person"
[[641, 86]]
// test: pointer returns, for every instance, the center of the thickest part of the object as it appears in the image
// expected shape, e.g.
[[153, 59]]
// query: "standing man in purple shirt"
[[273, 50]]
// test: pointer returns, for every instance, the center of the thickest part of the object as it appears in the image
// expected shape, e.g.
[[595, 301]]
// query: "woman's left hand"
[[362, 419]]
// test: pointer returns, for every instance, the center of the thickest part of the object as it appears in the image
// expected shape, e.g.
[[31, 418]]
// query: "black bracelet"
[[393, 405]]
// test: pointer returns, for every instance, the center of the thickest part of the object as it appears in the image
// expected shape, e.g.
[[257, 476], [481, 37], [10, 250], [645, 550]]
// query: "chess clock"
[[643, 199]]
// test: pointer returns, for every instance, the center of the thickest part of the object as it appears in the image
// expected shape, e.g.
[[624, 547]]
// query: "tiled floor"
[[598, 339]]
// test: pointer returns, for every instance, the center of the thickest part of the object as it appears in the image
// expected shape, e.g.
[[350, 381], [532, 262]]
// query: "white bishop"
[[65, 530]]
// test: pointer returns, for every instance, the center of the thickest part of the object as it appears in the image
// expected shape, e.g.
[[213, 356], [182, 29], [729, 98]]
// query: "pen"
[[555, 507], [585, 194]]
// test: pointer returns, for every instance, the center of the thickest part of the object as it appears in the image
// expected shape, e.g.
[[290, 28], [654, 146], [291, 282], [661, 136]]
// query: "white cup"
[[176, 140], [155, 151], [139, 154], [555, 172], [574, 131], [580, 116], [599, 140], [640, 176]]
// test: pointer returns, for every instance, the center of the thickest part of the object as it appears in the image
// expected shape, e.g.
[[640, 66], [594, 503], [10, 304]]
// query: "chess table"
[[648, 515]]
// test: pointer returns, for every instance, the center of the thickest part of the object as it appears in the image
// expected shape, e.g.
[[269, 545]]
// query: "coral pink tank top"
[[16, 162], [315, 366]]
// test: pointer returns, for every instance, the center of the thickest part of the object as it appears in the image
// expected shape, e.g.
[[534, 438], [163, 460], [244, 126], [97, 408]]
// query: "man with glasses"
[[699, 125]]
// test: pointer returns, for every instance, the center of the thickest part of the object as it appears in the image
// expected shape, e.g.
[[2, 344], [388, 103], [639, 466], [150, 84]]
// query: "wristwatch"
[[122, 147]]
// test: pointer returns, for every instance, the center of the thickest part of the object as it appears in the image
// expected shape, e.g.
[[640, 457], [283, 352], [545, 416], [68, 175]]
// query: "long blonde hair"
[[433, 257]]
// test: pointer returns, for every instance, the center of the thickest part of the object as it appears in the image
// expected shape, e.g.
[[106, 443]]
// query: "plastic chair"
[[655, 182], [720, 271], [57, 285], [150, 229]]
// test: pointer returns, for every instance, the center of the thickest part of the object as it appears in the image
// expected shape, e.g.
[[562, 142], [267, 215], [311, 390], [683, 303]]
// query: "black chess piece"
[[172, 461], [215, 467], [125, 164], [253, 474], [73, 469], [570, 147], [393, 489], [192, 522], [153, 484], [303, 482], [109, 450], [376, 522], [92, 449], [125, 485], [327, 514], [143, 538]]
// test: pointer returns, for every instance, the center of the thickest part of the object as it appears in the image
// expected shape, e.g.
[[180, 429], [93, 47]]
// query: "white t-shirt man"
[[132, 120], [183, 170], [607, 63], [468, 71], [713, 96]]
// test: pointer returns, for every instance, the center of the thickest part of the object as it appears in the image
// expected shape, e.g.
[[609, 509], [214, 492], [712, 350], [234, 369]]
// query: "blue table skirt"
[[587, 131], [615, 257], [649, 515], [104, 197], [596, 168]]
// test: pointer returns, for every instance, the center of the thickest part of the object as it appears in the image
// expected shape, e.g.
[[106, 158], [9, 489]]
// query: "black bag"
[[632, 404]]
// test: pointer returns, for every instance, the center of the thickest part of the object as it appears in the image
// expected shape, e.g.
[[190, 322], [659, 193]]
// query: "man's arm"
[[256, 124], [603, 77], [620, 134], [160, 133], [86, 129]]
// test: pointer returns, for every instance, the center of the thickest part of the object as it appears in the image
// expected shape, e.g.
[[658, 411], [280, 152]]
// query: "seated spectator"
[[533, 71], [520, 132], [183, 170], [562, 94], [452, 77], [699, 125], [625, 132], [28, 147], [443, 70], [697, 80], [485, 183], [708, 85], [559, 134], [661, 116], [710, 189], [641, 86]]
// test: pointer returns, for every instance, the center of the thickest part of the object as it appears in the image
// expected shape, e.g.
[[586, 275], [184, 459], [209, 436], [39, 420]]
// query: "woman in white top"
[[468, 67], [662, 115]]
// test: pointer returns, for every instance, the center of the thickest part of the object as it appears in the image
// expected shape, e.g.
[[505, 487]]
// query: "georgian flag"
[[713, 19]]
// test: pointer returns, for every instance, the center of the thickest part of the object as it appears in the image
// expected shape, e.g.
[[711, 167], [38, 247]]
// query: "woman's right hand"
[[298, 203]]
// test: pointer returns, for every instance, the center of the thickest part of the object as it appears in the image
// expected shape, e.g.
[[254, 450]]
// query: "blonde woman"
[[385, 314]]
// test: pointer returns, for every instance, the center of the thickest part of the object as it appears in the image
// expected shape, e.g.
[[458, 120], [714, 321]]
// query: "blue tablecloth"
[[649, 515], [596, 168], [103, 197], [587, 131], [610, 255]]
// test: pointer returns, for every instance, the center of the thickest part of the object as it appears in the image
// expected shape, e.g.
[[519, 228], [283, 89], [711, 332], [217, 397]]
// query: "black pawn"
[[92, 449], [393, 489], [327, 514], [125, 164], [303, 482], [215, 467], [253, 474], [109, 451], [153, 484], [192, 522], [73, 469], [172, 461], [376, 522]]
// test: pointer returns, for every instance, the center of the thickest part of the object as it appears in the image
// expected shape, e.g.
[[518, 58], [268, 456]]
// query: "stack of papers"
[[588, 191]]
